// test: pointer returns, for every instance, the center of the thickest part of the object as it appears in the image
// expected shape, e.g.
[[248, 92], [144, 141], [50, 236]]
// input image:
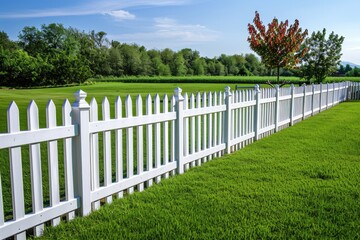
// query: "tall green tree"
[[6, 43], [279, 44], [116, 61], [31, 40], [132, 59], [58, 51], [323, 55], [178, 67], [19, 69]]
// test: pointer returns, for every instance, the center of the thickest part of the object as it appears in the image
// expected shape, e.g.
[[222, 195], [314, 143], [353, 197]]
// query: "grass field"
[[218, 79], [98, 90], [301, 183]]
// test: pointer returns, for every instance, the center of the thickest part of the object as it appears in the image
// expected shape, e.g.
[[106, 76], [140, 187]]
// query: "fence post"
[[277, 105], [81, 152], [304, 101], [292, 105], [257, 111], [179, 130], [227, 122]]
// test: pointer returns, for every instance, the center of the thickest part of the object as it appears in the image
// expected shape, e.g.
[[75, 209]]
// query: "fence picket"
[[172, 139], [53, 161], [198, 127], [215, 123], [68, 159], [129, 143], [119, 145], [94, 138], [192, 139], [334, 93], [149, 140], [35, 165], [157, 137], [235, 118], [327, 96], [292, 105], [186, 131], [251, 123], [241, 117], [107, 147], [166, 134], [227, 120], [204, 129], [210, 124], [220, 122], [17, 187], [320, 97], [140, 142]]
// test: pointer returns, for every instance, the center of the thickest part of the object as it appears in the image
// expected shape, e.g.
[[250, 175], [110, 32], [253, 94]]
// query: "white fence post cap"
[[80, 101]]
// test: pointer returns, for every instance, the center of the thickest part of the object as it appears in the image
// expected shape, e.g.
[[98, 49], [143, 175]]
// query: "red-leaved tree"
[[279, 44]]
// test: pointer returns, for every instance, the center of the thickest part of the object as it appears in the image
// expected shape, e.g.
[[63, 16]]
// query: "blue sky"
[[212, 27]]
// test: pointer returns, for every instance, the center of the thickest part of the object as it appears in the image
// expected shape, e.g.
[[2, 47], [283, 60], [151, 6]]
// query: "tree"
[[31, 41], [6, 43], [19, 69], [323, 56], [198, 67], [132, 59], [178, 66], [219, 69], [279, 45], [115, 61], [355, 72], [348, 68]]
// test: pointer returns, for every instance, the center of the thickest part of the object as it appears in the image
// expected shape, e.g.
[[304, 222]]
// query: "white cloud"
[[121, 15]]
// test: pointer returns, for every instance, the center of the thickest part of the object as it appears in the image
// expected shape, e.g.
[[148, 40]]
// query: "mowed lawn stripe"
[[300, 183]]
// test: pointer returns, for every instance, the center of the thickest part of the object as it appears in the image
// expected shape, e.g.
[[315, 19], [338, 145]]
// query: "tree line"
[[55, 55]]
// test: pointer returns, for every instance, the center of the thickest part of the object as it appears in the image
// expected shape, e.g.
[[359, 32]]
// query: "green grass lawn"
[[98, 90], [301, 183]]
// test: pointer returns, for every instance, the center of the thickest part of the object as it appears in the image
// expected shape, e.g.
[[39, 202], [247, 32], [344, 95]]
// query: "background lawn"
[[22, 97], [301, 183]]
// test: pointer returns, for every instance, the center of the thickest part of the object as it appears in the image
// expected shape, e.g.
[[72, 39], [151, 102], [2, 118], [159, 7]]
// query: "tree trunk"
[[278, 74]]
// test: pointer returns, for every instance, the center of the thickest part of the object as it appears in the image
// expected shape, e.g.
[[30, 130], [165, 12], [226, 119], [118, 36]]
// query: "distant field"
[[218, 79], [98, 90]]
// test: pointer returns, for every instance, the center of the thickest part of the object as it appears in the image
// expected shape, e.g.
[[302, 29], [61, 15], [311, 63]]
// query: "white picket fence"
[[103, 158]]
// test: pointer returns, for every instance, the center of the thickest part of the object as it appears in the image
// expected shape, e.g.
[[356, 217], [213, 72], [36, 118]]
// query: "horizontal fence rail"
[[97, 155]]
